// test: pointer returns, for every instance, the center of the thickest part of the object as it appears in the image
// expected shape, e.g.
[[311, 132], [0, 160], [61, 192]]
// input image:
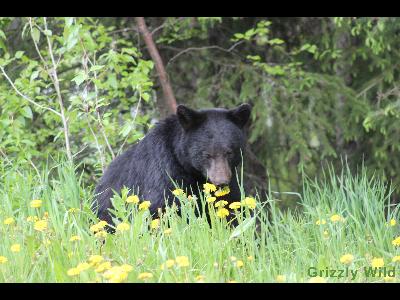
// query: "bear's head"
[[213, 140]]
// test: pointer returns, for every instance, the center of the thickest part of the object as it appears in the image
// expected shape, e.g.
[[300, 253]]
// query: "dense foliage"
[[323, 89]]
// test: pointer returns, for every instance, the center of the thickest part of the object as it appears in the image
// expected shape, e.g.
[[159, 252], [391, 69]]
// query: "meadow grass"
[[62, 241]]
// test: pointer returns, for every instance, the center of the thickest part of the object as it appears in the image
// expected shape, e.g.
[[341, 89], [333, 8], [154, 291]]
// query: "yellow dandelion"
[[396, 241], [222, 192], [168, 231], [317, 279], [209, 187], [347, 259], [144, 276], [32, 218], [40, 225], [182, 261], [250, 258], [9, 221], [144, 205], [396, 259], [222, 213], [250, 202], [280, 278], [126, 268], [377, 262], [392, 222], [75, 238], [235, 205], [99, 226], [36, 203], [15, 248], [102, 234], [83, 266], [239, 264], [73, 272], [46, 215], [221, 203], [132, 199], [123, 227], [336, 218], [103, 267], [155, 224], [320, 222], [178, 192], [3, 259], [170, 263], [95, 259], [211, 199]]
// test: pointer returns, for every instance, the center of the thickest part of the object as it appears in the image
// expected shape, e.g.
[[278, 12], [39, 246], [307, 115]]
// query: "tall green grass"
[[262, 247]]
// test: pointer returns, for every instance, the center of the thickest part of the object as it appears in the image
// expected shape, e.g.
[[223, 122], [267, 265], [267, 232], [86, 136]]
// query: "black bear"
[[191, 147]]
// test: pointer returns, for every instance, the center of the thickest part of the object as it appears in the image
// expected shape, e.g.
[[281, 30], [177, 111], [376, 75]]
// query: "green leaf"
[[79, 78], [242, 227], [19, 54], [35, 34], [47, 32], [27, 112], [96, 68]]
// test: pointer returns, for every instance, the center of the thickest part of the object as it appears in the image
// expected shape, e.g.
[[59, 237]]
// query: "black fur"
[[180, 147]]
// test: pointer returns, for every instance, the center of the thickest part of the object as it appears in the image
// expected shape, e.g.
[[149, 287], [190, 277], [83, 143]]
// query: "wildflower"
[[250, 202], [132, 199], [326, 234], [396, 241], [115, 274], [16, 248], [210, 199], [336, 218], [145, 275], [280, 278], [98, 227], [392, 222], [9, 221], [250, 258], [144, 205], [222, 192], [317, 279], [192, 197], [347, 259], [221, 203], [126, 268], [396, 259], [103, 267], [209, 187], [32, 218], [101, 234], [377, 262], [235, 205], [239, 264], [36, 203], [178, 192], [168, 231], [389, 279], [123, 227], [46, 215], [200, 278], [40, 225], [155, 224], [3, 259], [75, 238], [73, 272], [222, 213], [83, 266], [170, 263], [95, 259], [182, 261], [321, 222]]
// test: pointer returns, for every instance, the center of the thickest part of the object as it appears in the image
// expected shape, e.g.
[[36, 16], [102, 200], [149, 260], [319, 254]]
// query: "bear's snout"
[[219, 172]]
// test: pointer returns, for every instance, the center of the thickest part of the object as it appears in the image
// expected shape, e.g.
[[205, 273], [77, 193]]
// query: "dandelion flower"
[[377, 262], [178, 192], [75, 238], [36, 203], [209, 187], [126, 268], [392, 222], [155, 224], [396, 241], [347, 259], [222, 213], [40, 225], [239, 264], [250, 202], [103, 267], [396, 259], [317, 279], [95, 259], [280, 278], [250, 258], [336, 218], [123, 227], [73, 272], [115, 274], [192, 197], [182, 261], [3, 259], [169, 264], [222, 192], [98, 227], [83, 266], [144, 205], [15, 248], [132, 199], [211, 199], [145, 275], [32, 218], [9, 221], [102, 234], [321, 222], [221, 203], [235, 205]]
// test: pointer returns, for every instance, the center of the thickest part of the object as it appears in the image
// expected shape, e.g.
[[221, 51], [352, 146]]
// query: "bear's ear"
[[188, 118], [240, 115]]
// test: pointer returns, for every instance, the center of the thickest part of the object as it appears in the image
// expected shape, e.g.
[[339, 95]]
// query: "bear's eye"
[[207, 156], [229, 153]]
